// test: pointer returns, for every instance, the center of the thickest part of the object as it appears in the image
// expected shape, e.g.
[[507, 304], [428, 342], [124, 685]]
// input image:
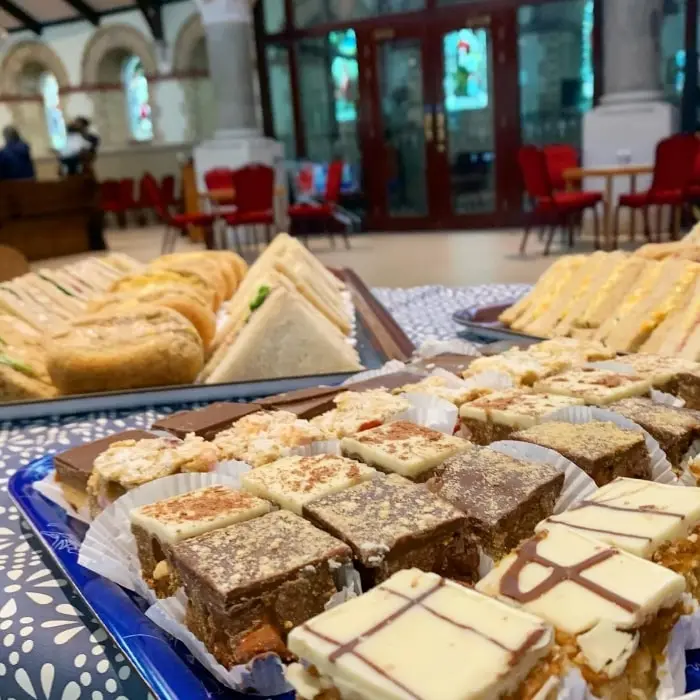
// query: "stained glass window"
[[587, 70], [466, 70], [138, 106], [55, 123], [345, 72]]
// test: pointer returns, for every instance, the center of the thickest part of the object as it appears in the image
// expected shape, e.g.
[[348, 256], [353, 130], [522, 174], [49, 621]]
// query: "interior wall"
[[180, 92]]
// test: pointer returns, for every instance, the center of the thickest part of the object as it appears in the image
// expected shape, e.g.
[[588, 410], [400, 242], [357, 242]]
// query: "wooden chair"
[[12, 263]]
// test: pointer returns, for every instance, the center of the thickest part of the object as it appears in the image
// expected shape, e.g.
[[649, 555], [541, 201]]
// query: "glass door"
[[401, 129]]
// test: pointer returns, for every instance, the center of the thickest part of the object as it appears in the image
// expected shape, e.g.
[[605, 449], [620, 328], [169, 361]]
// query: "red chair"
[[254, 186], [673, 165], [148, 201], [552, 209], [110, 200], [692, 190], [323, 212], [221, 179], [560, 157], [167, 192], [177, 223]]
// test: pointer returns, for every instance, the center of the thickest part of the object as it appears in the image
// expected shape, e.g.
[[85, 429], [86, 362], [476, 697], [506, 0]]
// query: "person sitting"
[[15, 158]]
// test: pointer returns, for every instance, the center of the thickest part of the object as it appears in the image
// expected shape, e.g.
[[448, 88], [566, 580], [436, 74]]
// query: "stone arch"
[[110, 41], [187, 53], [35, 56]]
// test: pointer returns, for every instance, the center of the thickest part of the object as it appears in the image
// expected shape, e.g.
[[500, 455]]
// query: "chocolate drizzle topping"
[[350, 647], [598, 530], [527, 554]]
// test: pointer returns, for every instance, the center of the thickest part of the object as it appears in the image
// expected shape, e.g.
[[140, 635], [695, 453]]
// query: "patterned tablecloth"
[[50, 645]]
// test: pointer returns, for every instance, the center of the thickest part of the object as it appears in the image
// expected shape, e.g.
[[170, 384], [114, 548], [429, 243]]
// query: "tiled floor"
[[392, 259]]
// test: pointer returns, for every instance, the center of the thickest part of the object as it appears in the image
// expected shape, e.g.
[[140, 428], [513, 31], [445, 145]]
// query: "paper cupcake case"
[[577, 484], [661, 470], [390, 367], [489, 380], [51, 490], [109, 548], [432, 347]]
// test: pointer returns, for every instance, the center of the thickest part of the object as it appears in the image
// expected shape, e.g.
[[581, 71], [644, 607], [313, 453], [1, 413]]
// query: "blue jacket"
[[16, 162]]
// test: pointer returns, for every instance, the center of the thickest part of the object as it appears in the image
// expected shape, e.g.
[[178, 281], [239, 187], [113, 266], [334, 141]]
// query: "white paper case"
[[457, 346], [430, 412], [660, 466], [577, 484], [109, 548], [390, 367], [264, 675]]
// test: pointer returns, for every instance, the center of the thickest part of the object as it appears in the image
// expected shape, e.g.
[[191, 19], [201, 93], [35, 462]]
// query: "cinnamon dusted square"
[[393, 524], [205, 422], [594, 385], [250, 583], [499, 414], [503, 498], [404, 448], [674, 429], [74, 466], [157, 526], [674, 375], [603, 450], [291, 482]]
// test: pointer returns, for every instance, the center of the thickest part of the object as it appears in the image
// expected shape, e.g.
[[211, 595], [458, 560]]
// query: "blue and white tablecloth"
[[51, 648]]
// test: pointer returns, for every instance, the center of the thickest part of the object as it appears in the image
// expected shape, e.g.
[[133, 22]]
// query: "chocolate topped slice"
[[206, 422], [74, 466], [248, 584], [504, 498], [392, 524]]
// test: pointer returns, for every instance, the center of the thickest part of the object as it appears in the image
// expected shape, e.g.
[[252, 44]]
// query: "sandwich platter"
[[188, 327], [482, 325]]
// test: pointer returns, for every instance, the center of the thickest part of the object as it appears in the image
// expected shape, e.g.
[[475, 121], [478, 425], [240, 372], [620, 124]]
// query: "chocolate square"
[[449, 361], [393, 524], [205, 422], [250, 583], [503, 498], [74, 466], [603, 450]]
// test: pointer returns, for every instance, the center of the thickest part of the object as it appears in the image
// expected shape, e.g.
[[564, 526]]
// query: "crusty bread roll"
[[229, 271], [208, 269], [182, 298], [130, 348], [165, 276]]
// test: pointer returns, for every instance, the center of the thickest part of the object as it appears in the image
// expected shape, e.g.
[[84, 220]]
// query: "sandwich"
[[23, 373], [649, 306], [542, 302], [586, 275], [570, 320], [283, 335], [546, 280]]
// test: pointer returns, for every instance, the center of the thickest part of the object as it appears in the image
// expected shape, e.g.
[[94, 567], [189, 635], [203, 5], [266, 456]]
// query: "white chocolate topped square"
[[516, 408], [355, 412], [658, 368], [418, 635], [189, 514], [292, 482], [634, 515], [403, 448], [595, 385], [264, 436], [576, 582], [583, 350]]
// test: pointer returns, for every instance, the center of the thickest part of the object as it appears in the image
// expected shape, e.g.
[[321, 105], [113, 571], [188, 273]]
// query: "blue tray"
[[164, 663]]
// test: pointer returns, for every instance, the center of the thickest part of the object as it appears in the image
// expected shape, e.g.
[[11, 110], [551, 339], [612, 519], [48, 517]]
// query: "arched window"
[[55, 123], [138, 107]]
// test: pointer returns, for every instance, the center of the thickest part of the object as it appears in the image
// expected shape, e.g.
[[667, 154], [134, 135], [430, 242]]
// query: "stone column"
[[632, 51], [238, 139], [632, 116]]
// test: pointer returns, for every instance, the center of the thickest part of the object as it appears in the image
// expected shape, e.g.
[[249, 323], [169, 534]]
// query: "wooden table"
[[574, 176]]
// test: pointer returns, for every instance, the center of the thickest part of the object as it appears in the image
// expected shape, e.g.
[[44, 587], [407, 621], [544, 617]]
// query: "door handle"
[[428, 126]]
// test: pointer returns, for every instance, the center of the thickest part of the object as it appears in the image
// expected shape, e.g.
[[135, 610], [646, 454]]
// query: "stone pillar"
[[632, 116], [238, 139]]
